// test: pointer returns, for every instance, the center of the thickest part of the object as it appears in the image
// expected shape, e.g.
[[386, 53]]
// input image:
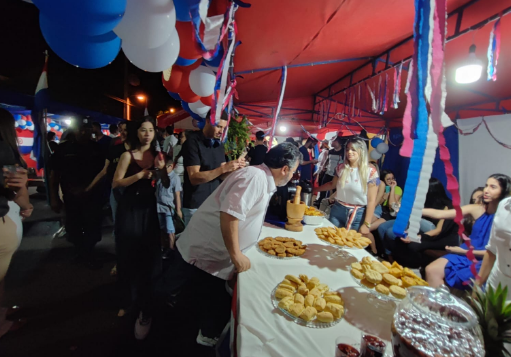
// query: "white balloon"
[[16, 124], [375, 155], [147, 23], [22, 122], [382, 148], [31, 128], [154, 59], [202, 81], [199, 108]]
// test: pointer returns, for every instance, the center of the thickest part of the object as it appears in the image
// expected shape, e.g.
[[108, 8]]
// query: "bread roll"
[[336, 299], [308, 314], [325, 317], [309, 300], [319, 304], [299, 299], [335, 309], [282, 293], [286, 302], [296, 309]]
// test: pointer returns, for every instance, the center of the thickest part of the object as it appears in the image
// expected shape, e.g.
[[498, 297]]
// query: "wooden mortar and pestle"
[[295, 211]]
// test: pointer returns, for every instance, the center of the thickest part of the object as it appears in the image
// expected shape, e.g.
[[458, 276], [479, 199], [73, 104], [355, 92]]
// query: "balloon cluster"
[[52, 125], [23, 122], [192, 78], [81, 32], [380, 148]]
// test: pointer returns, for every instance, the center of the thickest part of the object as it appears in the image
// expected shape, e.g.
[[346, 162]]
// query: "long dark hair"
[[133, 127], [436, 197], [8, 134], [504, 183], [384, 174]]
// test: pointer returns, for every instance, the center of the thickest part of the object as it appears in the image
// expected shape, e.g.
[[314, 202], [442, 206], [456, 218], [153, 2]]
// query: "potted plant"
[[494, 316], [238, 137]]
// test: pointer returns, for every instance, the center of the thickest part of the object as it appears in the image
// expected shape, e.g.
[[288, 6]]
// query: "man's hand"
[[241, 262], [232, 166], [16, 180]]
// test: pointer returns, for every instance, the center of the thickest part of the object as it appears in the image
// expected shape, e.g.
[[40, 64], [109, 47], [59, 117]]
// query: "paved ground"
[[72, 311]]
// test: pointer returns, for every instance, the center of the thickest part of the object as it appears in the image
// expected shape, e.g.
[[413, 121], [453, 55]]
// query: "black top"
[[257, 154], [114, 155], [78, 164], [209, 154], [105, 143]]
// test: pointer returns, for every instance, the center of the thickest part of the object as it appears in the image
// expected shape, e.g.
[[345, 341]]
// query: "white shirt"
[[322, 160], [170, 141], [245, 194], [352, 191], [500, 245]]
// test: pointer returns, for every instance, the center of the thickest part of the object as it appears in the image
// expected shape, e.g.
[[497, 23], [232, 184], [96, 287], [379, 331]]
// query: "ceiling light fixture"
[[283, 128], [471, 69]]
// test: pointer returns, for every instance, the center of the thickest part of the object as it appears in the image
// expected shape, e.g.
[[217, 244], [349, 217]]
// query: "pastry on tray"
[[342, 237], [282, 247]]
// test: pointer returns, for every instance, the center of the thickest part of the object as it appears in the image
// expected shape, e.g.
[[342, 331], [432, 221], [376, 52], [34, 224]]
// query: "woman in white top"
[[179, 169], [498, 250], [357, 185]]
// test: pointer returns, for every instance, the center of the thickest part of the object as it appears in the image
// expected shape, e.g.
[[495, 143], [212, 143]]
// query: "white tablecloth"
[[265, 331]]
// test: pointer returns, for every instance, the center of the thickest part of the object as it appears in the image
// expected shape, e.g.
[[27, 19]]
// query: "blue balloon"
[[201, 123], [17, 117], [82, 51], [175, 95], [52, 124], [29, 123], [83, 17], [183, 9], [192, 114], [375, 142], [22, 127], [185, 62]]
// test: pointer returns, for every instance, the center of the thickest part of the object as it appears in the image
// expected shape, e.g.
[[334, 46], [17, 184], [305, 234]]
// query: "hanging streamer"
[[373, 101], [359, 102], [494, 51], [279, 105], [407, 147]]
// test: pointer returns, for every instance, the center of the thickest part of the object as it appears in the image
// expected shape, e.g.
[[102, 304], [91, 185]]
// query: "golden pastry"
[[328, 293], [396, 272], [299, 299], [367, 260], [325, 317], [304, 278], [323, 288], [421, 282], [315, 292], [357, 273], [286, 302], [301, 251], [282, 293], [335, 309], [379, 267], [397, 292], [308, 314], [280, 239], [391, 279], [319, 304], [387, 264], [407, 281], [272, 252], [366, 267], [294, 279], [356, 265], [382, 289], [313, 282], [296, 309], [336, 299], [283, 255], [286, 281], [287, 287], [367, 283], [373, 276], [302, 289], [267, 246], [410, 273], [289, 255], [309, 300], [396, 265], [289, 245], [280, 250]]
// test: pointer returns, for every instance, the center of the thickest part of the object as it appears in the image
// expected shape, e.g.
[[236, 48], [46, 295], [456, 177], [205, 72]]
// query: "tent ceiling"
[[290, 32]]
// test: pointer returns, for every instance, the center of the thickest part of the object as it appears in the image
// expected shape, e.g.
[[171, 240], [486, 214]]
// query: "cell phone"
[[387, 189]]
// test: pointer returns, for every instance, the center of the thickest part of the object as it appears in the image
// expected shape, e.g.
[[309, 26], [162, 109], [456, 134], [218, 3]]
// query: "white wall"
[[480, 154]]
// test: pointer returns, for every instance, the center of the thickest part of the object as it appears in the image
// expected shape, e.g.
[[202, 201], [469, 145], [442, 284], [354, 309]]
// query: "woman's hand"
[[364, 230], [27, 212], [456, 250], [16, 180], [145, 174], [393, 185]]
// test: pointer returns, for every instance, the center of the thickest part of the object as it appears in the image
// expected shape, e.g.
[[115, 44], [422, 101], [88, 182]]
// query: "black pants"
[[411, 254], [83, 223], [326, 179], [215, 310]]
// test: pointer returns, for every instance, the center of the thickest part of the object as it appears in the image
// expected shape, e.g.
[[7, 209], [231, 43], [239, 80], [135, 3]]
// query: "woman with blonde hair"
[[357, 185]]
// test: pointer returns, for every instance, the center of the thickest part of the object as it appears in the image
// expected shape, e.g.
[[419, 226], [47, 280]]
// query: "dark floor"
[[72, 311]]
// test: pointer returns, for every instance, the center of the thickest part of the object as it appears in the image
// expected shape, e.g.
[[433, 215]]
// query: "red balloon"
[[189, 48], [179, 76], [188, 95], [207, 100]]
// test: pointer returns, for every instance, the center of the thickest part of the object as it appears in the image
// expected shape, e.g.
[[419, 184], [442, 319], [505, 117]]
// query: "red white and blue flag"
[[39, 116]]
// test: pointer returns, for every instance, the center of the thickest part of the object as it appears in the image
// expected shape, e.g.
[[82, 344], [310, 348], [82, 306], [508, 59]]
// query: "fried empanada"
[[304, 278], [287, 287], [271, 252]]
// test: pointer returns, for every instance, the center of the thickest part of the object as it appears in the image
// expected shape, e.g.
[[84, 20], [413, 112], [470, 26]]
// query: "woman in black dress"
[[137, 231]]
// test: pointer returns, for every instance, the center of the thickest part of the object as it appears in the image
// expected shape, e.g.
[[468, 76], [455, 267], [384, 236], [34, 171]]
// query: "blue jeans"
[[386, 230], [340, 215], [187, 214]]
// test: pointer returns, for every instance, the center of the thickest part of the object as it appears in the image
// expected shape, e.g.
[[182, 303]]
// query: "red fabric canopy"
[[287, 32]]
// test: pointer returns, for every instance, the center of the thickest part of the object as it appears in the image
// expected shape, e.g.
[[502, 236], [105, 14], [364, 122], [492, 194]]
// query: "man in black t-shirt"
[[256, 154], [74, 166], [103, 140], [204, 162]]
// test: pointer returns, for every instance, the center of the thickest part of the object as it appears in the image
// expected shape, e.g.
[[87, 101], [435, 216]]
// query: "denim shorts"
[[378, 211], [166, 222], [340, 215]]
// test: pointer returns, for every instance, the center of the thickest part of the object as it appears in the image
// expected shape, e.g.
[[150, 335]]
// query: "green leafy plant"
[[494, 317], [238, 137]]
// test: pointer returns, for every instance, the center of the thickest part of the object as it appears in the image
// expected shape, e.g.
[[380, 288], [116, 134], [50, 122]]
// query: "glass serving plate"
[[312, 324], [342, 250], [274, 256], [376, 294]]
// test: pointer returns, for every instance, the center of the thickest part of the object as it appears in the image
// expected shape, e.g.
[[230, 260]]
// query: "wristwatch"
[[367, 224]]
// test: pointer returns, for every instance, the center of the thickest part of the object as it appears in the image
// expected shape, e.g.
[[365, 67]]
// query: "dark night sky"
[[21, 60]]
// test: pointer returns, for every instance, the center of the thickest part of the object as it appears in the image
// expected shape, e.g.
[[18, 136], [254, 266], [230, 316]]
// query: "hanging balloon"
[[186, 107], [375, 141], [375, 155], [154, 59], [175, 96], [22, 122], [89, 18], [202, 81], [17, 117], [189, 96], [183, 9], [16, 124], [148, 23], [382, 148], [22, 126], [29, 123], [52, 124], [207, 100], [81, 51], [31, 127], [176, 78], [189, 47], [199, 108]]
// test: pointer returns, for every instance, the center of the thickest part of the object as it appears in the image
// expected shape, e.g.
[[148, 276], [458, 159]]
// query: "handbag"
[[179, 224]]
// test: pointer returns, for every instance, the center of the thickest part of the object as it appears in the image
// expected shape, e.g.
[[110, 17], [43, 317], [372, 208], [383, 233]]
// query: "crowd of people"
[[177, 197]]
